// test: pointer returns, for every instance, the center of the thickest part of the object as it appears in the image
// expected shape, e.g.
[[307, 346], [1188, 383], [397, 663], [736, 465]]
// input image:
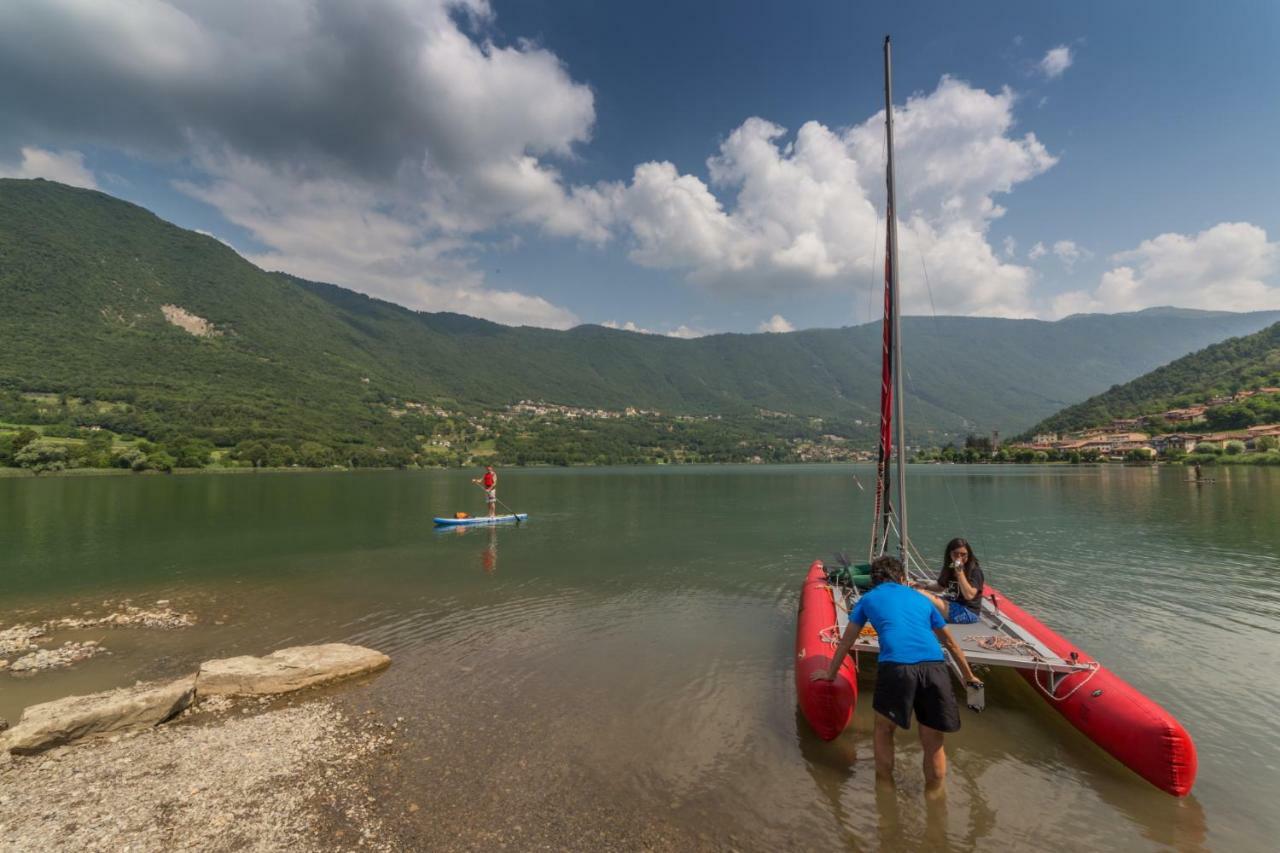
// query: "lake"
[[618, 669]]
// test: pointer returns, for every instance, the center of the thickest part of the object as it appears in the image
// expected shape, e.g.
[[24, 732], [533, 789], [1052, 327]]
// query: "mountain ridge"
[[1222, 369], [84, 276]]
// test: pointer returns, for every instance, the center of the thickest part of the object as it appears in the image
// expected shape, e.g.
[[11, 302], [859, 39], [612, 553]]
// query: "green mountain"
[[86, 281], [1238, 364]]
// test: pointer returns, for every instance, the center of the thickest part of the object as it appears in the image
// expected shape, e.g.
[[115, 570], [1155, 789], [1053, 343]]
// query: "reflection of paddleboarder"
[[489, 556], [489, 482]]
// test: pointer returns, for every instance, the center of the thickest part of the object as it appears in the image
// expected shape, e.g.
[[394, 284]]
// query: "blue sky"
[[548, 162]]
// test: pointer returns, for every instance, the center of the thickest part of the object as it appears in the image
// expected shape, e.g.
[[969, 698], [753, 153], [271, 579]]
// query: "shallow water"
[[621, 664]]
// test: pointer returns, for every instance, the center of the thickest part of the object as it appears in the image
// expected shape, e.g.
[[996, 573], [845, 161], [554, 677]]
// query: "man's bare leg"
[[935, 759], [883, 742]]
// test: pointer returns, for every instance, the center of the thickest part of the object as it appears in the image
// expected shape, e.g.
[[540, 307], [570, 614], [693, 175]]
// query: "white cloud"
[[628, 326], [343, 231], [1010, 247], [803, 212], [215, 237], [370, 145], [1231, 267], [1068, 252], [382, 145], [1037, 252], [683, 331], [776, 323], [65, 167], [1056, 61]]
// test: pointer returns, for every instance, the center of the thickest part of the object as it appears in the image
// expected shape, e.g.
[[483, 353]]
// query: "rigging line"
[[933, 309], [875, 242]]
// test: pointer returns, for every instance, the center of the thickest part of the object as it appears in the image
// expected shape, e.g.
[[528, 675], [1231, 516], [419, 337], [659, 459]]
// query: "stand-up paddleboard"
[[481, 519]]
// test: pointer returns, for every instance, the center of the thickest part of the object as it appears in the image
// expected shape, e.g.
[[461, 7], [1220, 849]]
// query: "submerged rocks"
[[129, 616], [25, 641], [287, 670], [19, 638], [67, 654], [141, 706]]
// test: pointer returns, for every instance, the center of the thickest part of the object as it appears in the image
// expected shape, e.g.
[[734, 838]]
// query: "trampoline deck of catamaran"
[[994, 640], [1110, 712]]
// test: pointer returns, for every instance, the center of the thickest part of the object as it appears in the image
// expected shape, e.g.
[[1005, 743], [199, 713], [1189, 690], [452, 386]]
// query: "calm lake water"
[[617, 671]]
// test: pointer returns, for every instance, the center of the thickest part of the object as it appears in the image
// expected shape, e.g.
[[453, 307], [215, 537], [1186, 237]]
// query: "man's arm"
[[846, 642], [944, 637]]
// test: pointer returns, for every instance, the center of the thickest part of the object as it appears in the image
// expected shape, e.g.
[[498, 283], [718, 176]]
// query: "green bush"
[[313, 454], [42, 456], [1233, 447], [160, 461], [191, 453], [130, 457], [24, 437], [1207, 448]]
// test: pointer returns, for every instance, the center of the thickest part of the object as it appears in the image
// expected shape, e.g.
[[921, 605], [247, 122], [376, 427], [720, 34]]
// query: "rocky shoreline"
[[234, 767], [227, 776]]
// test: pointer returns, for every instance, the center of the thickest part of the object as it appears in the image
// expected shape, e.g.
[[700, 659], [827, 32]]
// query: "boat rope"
[[997, 643], [1094, 666], [913, 553]]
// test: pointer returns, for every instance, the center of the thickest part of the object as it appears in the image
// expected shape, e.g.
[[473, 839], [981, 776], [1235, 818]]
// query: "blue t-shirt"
[[904, 620]]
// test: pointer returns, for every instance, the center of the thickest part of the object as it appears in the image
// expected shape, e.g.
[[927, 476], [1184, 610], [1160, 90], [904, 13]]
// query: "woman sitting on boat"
[[960, 582]]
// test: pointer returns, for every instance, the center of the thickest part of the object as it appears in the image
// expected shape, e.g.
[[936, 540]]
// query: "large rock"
[[64, 720], [286, 670]]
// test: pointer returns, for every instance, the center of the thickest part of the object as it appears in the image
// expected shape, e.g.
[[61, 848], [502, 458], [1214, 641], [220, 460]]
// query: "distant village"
[[1124, 438]]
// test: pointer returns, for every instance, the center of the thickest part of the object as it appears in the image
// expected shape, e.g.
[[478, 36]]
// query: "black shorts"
[[921, 687]]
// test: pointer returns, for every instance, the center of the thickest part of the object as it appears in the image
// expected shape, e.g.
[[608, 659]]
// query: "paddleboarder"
[[489, 482], [912, 676]]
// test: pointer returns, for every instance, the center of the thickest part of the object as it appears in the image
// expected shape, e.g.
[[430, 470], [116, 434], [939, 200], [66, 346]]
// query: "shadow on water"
[[1018, 754], [832, 765], [1029, 734], [904, 817]]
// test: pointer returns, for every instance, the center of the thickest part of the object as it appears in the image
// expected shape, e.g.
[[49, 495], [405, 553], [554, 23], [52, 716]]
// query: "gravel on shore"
[[228, 777]]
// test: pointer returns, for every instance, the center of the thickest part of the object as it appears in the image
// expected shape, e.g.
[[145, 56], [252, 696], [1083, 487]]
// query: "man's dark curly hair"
[[887, 568]]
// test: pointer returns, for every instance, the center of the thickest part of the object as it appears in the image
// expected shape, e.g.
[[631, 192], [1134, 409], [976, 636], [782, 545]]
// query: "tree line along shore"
[[43, 432]]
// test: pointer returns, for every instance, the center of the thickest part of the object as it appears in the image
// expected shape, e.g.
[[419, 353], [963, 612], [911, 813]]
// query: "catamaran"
[[1109, 711]]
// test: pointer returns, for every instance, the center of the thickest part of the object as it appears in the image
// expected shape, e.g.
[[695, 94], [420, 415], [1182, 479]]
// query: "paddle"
[[507, 508]]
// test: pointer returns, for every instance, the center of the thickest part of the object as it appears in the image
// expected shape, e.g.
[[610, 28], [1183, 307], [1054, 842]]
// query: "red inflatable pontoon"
[[827, 705], [1109, 711]]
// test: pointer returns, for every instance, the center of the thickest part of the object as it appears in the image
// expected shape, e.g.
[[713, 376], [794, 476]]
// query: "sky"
[[679, 168]]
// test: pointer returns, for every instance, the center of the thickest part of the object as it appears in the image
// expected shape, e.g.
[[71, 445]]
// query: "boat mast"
[[891, 216]]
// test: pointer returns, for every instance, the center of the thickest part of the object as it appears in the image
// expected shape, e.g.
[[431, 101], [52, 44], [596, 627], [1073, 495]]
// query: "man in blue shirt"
[[912, 673]]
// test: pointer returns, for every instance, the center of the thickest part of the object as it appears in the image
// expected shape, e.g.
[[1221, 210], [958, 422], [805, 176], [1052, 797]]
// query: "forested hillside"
[[1220, 370], [141, 327]]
